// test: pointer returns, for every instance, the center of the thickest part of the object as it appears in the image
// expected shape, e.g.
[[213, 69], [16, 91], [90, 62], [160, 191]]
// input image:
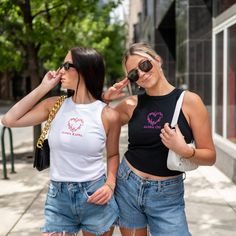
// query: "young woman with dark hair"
[[80, 194]]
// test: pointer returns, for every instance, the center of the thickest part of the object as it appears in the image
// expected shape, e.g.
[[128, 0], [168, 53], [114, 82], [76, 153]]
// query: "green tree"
[[36, 34]]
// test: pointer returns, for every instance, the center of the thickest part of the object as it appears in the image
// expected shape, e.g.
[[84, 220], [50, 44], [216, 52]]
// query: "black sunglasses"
[[67, 65], [144, 66]]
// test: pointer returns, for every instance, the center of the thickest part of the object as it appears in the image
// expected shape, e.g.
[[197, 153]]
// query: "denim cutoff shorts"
[[67, 209], [158, 205]]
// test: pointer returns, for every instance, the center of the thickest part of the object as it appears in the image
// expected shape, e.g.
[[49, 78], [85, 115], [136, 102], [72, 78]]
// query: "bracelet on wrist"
[[111, 186], [193, 154]]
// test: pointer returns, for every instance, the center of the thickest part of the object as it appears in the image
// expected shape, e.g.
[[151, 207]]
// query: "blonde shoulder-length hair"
[[142, 49]]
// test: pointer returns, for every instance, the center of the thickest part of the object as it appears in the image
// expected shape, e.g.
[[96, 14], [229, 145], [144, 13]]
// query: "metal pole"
[[11, 150], [4, 154], [4, 162]]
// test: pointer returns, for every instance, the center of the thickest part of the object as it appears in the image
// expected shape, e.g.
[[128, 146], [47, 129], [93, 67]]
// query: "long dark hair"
[[90, 64]]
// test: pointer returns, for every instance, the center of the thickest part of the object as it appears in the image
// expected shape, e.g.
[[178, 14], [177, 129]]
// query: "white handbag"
[[175, 161]]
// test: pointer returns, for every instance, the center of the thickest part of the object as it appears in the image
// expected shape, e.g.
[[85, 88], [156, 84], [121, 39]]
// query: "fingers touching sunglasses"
[[144, 66], [67, 66]]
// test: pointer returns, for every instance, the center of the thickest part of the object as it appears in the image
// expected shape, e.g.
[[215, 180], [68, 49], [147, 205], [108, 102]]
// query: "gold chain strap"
[[50, 118]]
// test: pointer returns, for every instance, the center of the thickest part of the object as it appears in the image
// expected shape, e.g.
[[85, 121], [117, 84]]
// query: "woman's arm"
[[205, 153], [198, 119], [112, 126], [26, 112], [112, 145]]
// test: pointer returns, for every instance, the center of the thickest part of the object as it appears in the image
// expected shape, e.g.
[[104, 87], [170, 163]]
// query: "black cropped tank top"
[[146, 152]]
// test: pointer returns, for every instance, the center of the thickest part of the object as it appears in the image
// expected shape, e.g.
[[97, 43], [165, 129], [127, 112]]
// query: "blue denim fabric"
[[158, 205], [67, 209]]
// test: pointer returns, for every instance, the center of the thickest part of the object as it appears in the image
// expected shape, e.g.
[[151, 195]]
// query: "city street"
[[210, 195], [105, 50]]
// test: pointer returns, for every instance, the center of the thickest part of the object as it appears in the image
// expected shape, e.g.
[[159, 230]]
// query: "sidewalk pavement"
[[210, 199]]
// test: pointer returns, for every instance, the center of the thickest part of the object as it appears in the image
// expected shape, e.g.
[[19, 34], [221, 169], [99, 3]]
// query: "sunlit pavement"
[[210, 196]]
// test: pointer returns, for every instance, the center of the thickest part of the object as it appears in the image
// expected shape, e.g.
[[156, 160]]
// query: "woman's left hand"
[[173, 139], [101, 196]]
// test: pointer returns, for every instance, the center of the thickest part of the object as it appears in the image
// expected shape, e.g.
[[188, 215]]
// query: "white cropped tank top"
[[77, 140]]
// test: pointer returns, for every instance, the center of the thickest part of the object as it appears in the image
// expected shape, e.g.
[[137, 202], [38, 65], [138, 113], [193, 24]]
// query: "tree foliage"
[[36, 34]]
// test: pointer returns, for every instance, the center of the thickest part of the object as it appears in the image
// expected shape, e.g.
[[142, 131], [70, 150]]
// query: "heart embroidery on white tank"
[[75, 124]]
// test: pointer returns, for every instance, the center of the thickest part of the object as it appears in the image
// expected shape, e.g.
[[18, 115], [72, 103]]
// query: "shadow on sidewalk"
[[24, 157]]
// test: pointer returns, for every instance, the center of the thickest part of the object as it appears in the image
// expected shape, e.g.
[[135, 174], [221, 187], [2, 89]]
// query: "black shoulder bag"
[[42, 151]]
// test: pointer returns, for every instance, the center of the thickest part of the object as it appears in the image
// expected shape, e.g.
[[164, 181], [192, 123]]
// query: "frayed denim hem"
[[106, 229]]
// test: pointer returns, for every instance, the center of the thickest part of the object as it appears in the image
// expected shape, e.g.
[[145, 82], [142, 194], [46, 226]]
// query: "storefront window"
[[231, 84], [219, 83]]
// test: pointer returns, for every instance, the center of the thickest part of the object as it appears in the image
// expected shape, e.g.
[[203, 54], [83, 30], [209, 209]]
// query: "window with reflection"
[[219, 84], [231, 84], [181, 39]]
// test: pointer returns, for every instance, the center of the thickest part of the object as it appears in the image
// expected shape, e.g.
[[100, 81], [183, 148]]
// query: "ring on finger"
[[172, 132]]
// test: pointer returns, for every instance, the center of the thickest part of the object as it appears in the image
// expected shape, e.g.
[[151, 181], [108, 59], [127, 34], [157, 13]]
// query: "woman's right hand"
[[115, 91]]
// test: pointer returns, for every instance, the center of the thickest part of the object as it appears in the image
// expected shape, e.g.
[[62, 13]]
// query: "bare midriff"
[[148, 176]]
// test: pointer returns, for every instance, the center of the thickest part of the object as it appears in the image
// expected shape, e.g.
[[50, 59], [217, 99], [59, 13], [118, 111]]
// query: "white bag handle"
[[177, 110], [175, 161]]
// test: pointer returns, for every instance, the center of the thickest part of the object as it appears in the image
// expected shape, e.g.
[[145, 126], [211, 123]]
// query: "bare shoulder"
[[111, 119], [192, 97], [125, 108], [110, 115], [127, 103], [131, 100], [193, 103]]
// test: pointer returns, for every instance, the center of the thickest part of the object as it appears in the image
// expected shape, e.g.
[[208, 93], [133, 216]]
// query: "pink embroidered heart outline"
[[154, 117], [74, 124]]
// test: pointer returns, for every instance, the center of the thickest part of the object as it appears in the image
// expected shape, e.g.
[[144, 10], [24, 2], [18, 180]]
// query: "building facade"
[[197, 41]]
